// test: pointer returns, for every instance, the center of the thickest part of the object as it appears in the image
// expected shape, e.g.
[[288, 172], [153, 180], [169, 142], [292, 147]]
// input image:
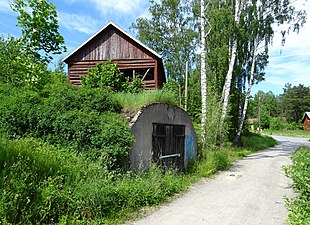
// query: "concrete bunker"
[[164, 134]]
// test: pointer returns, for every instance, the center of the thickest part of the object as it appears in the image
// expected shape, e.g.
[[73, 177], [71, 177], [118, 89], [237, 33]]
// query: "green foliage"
[[135, 86], [214, 133], [20, 69], [278, 123], [194, 96], [265, 106], [256, 142], [299, 172], [43, 184], [289, 133], [39, 27], [295, 102], [106, 75], [134, 102], [47, 185], [172, 87], [169, 31], [80, 118], [32, 182]]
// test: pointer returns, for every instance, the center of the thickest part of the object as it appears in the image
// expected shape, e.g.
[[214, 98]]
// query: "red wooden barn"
[[306, 121], [134, 58]]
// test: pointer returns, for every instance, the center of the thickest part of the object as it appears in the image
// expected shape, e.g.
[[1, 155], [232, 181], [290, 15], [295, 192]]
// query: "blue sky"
[[79, 19]]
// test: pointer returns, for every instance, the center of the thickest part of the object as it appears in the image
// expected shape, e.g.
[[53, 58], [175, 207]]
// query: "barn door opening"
[[168, 145]]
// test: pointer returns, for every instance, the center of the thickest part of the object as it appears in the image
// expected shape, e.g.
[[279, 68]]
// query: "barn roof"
[[307, 114], [121, 30]]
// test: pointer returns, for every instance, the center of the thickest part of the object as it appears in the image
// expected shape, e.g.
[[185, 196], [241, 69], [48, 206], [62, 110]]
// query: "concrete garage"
[[164, 134]]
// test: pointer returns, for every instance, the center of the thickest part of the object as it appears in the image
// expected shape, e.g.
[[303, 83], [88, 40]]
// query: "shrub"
[[299, 172], [106, 75], [278, 123], [135, 86], [80, 118]]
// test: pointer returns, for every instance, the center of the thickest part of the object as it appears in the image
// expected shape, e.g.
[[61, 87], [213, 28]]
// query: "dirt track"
[[251, 192]]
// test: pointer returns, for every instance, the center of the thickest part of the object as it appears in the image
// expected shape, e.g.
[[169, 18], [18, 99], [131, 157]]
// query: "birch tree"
[[258, 27], [234, 52], [203, 71]]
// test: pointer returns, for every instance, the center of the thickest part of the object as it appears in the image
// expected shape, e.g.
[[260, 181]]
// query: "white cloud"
[[124, 6], [290, 63], [78, 22], [5, 6], [291, 69]]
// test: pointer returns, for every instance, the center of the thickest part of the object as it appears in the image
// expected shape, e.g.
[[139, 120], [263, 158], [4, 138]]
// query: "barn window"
[[145, 74], [168, 145]]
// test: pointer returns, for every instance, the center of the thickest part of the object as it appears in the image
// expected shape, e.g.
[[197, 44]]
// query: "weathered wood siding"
[[307, 124], [112, 44], [78, 69]]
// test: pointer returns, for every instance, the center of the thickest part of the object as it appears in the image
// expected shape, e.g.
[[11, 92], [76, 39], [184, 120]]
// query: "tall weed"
[[133, 102], [41, 184]]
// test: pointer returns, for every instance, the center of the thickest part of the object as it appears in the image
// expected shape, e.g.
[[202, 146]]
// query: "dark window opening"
[[145, 74], [168, 145]]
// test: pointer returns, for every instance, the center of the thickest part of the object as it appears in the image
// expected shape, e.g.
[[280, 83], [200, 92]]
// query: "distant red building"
[[133, 58], [306, 121]]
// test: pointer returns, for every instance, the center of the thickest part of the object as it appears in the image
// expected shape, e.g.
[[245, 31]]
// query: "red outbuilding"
[[133, 58], [306, 121]]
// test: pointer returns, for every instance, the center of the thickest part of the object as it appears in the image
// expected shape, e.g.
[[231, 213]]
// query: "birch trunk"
[[237, 140], [203, 75], [234, 52], [240, 95]]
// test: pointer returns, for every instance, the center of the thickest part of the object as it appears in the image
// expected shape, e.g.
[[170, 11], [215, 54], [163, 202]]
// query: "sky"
[[79, 19]]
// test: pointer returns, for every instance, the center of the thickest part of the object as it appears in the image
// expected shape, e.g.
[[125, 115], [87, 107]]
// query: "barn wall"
[[78, 69], [307, 124], [142, 129], [111, 44]]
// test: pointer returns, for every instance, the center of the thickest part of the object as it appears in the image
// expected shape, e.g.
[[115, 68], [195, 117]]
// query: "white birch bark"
[[203, 72], [234, 52], [247, 96]]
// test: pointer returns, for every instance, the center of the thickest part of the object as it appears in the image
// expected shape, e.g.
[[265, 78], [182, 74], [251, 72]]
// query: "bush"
[[135, 86], [299, 172], [80, 118], [278, 123], [106, 75]]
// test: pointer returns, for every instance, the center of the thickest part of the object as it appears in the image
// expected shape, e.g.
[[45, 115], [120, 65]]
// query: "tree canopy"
[[39, 26]]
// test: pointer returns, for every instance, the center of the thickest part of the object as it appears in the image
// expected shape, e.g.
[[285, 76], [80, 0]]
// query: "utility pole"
[[186, 84], [259, 112]]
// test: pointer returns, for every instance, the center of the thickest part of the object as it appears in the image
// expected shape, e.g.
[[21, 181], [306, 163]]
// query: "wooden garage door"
[[168, 145]]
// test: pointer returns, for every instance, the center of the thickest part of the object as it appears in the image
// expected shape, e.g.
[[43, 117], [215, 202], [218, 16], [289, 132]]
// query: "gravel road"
[[251, 192]]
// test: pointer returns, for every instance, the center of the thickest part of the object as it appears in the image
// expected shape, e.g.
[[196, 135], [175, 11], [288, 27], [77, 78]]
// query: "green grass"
[[255, 142], [134, 102], [299, 172], [43, 184], [290, 133]]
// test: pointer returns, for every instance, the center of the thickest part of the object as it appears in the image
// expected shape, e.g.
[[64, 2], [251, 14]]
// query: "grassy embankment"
[[299, 172], [61, 161], [290, 133]]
